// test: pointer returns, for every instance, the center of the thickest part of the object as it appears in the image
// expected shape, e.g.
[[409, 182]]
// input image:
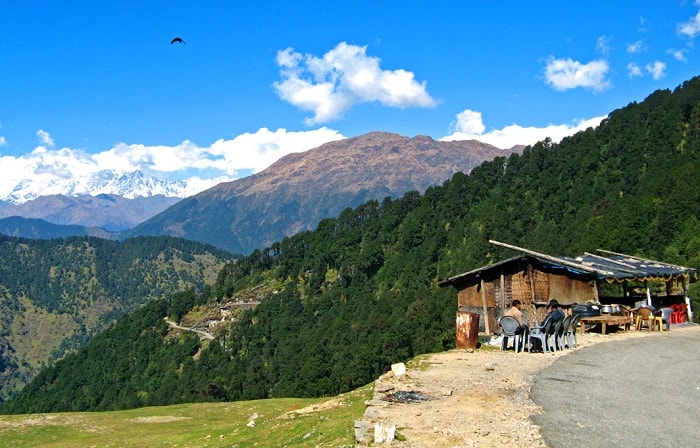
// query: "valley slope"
[[55, 295]]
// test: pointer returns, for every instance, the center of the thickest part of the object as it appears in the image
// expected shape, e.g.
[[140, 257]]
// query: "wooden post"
[[503, 290], [595, 290], [688, 310], [533, 318], [487, 325]]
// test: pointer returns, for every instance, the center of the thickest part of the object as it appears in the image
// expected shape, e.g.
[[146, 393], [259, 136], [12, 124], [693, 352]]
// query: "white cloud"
[[469, 122], [343, 77], [692, 27], [3, 141], [603, 44], [250, 152], [64, 163], [45, 138], [514, 134], [643, 22], [565, 74], [634, 71], [679, 55], [259, 150], [657, 69], [635, 47]]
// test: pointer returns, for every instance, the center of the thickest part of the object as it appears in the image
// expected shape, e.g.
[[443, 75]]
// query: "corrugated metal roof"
[[612, 267], [620, 267], [559, 266]]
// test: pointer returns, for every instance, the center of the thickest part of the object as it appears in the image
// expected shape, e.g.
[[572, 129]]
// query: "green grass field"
[[287, 422]]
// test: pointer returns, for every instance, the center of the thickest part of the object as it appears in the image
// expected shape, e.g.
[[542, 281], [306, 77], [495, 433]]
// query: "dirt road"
[[478, 399]]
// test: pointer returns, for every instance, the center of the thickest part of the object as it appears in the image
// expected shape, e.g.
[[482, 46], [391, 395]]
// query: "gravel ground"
[[482, 398]]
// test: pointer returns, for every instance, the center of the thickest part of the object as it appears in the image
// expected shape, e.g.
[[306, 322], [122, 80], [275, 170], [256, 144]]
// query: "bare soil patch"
[[159, 419], [318, 407]]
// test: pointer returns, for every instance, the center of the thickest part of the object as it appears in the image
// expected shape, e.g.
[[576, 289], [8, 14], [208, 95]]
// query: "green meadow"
[[286, 422]]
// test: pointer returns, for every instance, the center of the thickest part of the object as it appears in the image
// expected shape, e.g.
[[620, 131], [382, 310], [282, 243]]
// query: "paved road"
[[642, 392]]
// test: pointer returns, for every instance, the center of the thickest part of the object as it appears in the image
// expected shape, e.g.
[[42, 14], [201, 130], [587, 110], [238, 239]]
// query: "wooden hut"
[[535, 278]]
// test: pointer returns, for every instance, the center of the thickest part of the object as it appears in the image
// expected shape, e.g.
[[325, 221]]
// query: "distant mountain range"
[[107, 212], [97, 205], [38, 229], [292, 195], [127, 185], [299, 190]]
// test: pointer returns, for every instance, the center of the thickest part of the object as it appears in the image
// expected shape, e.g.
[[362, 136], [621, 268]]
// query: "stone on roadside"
[[384, 432], [384, 388], [363, 432], [398, 369]]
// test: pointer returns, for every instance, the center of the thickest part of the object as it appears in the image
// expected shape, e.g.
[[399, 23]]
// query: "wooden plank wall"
[[500, 292]]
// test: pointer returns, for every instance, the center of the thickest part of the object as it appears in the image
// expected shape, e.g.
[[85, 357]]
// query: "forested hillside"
[[56, 294], [360, 292]]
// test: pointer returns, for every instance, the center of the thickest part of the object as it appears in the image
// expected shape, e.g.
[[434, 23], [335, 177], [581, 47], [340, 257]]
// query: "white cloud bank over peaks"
[[201, 167], [469, 125], [343, 77], [566, 74]]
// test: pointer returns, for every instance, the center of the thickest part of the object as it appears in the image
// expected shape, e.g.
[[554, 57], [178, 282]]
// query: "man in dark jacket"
[[554, 311]]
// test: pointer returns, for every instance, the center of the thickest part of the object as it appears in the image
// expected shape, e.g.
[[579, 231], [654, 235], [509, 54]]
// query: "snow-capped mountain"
[[128, 185]]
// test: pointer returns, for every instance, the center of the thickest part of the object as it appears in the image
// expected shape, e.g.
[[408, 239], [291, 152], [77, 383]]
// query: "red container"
[[467, 330]]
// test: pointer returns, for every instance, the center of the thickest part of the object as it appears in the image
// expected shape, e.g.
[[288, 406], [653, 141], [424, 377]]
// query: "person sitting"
[[554, 314], [555, 311], [516, 313]]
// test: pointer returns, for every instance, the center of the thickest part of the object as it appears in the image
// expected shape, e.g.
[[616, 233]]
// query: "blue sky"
[[92, 85]]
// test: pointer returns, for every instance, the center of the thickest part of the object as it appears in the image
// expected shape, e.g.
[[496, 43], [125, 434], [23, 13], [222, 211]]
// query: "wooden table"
[[606, 319]]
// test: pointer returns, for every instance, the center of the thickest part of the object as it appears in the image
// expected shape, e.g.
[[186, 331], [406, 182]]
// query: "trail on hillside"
[[203, 334]]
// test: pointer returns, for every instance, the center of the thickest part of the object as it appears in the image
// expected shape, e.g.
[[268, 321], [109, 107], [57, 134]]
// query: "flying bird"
[[179, 40]]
